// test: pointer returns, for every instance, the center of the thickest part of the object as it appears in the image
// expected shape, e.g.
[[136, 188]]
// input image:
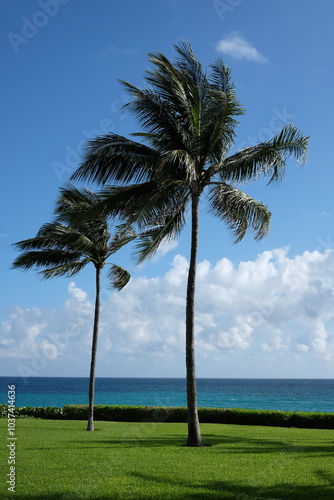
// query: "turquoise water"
[[270, 394]]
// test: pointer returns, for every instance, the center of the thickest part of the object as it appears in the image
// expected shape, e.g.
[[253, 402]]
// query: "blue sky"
[[264, 309]]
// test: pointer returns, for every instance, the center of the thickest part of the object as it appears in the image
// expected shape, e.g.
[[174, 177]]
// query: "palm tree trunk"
[[194, 431], [90, 425]]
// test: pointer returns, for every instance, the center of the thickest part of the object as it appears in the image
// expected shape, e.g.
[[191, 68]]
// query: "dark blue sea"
[[269, 394]]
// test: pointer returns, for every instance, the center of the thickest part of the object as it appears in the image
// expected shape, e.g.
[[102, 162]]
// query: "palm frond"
[[217, 127], [72, 200], [122, 200], [64, 249], [124, 234], [239, 211], [168, 82], [118, 277], [146, 205], [47, 237], [221, 107], [181, 90], [58, 236], [268, 158], [163, 229], [162, 207], [148, 243], [158, 117], [188, 64], [45, 258], [55, 236], [68, 270], [178, 164], [113, 158]]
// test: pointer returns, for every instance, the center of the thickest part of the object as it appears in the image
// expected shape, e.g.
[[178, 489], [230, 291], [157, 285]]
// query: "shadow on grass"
[[244, 445], [209, 490], [119, 442], [221, 444], [233, 490], [134, 442]]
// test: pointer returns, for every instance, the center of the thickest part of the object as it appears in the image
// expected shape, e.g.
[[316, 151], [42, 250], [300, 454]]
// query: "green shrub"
[[312, 420], [3, 411], [127, 413], [75, 412], [272, 418], [256, 417], [50, 412]]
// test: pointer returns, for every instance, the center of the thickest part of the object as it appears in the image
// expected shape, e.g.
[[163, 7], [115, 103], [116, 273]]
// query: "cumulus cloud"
[[77, 293], [34, 337], [272, 306], [238, 47]]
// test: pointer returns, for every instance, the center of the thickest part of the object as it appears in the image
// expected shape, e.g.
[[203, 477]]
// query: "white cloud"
[[275, 309], [238, 47], [33, 338], [76, 292], [302, 348]]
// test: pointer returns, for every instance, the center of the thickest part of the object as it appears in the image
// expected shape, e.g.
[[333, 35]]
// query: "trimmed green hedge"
[[49, 412], [117, 413]]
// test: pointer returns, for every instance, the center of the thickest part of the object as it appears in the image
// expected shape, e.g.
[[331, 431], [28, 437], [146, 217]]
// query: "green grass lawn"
[[59, 460]]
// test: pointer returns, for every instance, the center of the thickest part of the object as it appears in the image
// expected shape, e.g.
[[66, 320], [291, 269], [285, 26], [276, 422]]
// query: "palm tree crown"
[[188, 117], [189, 121], [64, 246]]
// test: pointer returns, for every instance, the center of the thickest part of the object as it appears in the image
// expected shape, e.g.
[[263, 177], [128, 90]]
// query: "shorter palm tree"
[[66, 245]]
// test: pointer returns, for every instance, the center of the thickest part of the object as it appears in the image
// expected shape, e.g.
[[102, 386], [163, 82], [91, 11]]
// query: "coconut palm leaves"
[[63, 247], [66, 245], [189, 118]]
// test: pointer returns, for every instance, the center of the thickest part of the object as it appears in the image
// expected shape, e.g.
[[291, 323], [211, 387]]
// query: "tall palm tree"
[[189, 121], [65, 246]]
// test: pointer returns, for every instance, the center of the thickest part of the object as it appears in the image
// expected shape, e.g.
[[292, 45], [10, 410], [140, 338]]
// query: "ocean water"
[[269, 394]]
